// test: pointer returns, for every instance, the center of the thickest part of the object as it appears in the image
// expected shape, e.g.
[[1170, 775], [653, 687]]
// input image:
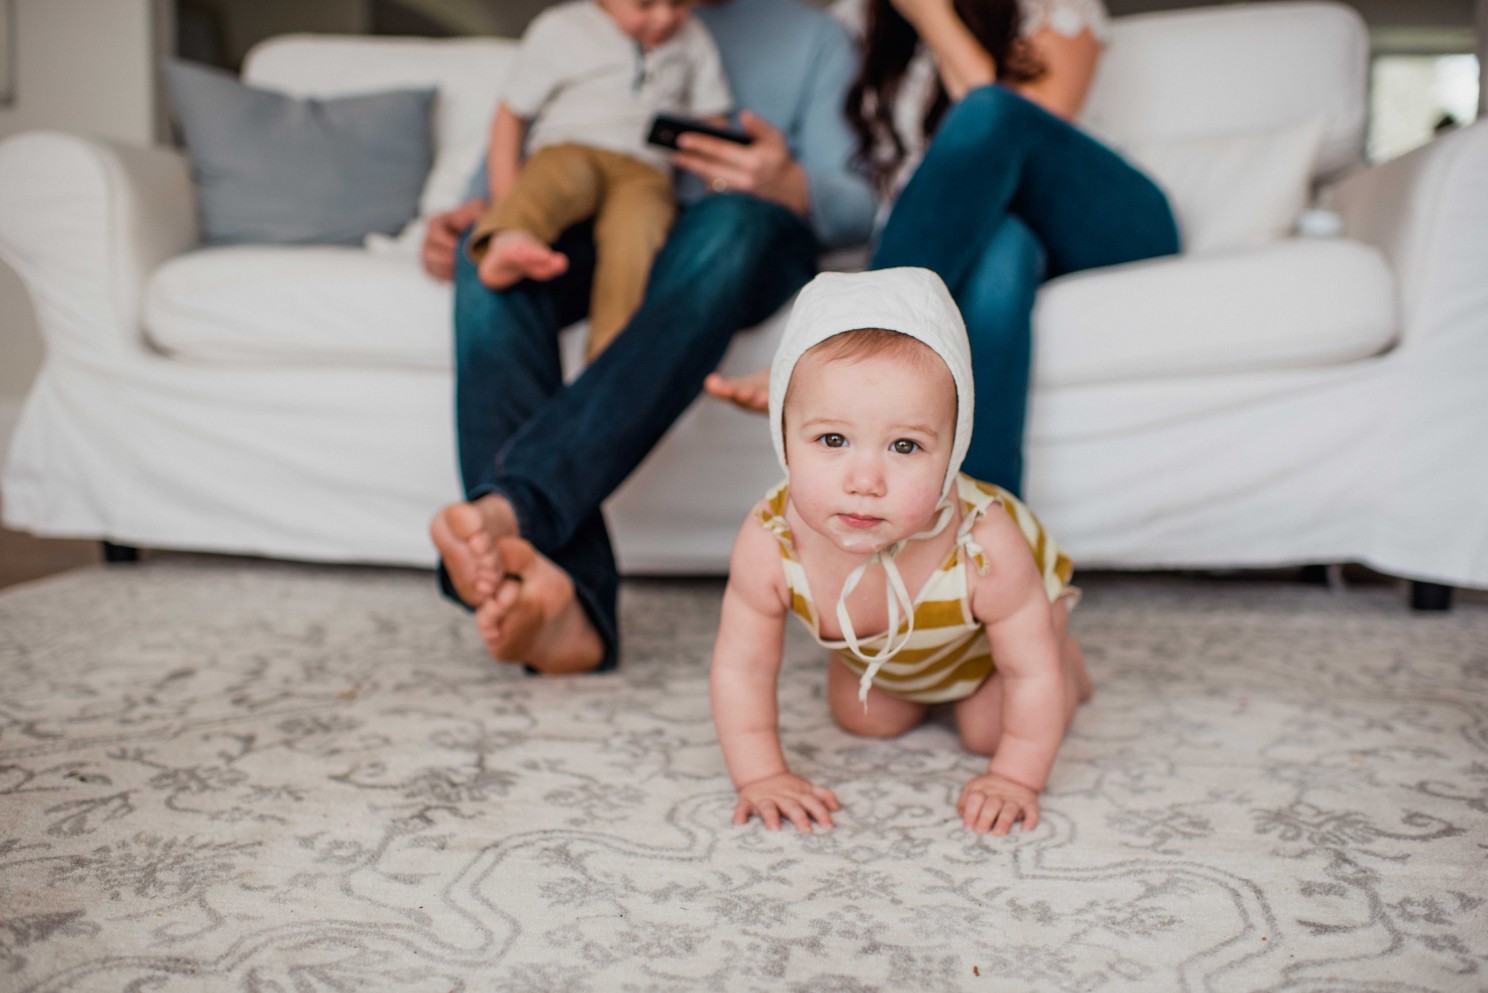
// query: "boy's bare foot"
[[750, 392], [534, 617], [465, 534], [513, 256]]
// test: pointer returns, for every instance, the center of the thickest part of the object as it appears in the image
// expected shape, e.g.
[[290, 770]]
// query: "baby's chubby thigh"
[[886, 715]]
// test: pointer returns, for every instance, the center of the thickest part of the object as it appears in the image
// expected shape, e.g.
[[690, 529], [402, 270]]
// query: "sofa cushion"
[[468, 72], [297, 305], [1215, 70], [1231, 190], [272, 168], [1293, 303]]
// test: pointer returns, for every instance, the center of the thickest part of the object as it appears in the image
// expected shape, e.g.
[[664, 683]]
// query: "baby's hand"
[[788, 795], [991, 803]]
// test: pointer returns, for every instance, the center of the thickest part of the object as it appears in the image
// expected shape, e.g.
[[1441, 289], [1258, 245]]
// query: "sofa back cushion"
[[1241, 69], [272, 168], [468, 72], [1203, 73]]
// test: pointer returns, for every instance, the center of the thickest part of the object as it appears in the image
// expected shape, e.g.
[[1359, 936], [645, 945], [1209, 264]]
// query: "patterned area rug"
[[228, 776]]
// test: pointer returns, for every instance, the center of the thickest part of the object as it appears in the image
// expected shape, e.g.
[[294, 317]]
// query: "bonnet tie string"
[[898, 602]]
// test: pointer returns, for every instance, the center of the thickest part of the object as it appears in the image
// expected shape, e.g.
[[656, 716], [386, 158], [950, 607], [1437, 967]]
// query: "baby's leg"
[[887, 716], [558, 186], [635, 214], [979, 716], [1078, 687], [515, 255]]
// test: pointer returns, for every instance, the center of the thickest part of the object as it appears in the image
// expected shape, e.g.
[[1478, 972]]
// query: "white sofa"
[[1299, 400]]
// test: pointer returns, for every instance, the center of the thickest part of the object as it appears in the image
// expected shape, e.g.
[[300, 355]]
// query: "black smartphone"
[[665, 129]]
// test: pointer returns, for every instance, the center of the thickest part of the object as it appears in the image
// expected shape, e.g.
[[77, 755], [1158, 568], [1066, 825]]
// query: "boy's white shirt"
[[578, 78]]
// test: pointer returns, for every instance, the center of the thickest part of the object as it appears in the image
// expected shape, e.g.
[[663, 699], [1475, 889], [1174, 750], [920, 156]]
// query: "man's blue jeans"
[[1007, 196], [555, 451]]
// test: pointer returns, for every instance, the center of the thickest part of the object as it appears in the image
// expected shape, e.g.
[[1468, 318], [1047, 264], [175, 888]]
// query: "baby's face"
[[867, 444], [649, 22]]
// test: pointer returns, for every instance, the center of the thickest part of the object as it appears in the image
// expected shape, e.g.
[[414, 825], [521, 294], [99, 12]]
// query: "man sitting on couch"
[[527, 549]]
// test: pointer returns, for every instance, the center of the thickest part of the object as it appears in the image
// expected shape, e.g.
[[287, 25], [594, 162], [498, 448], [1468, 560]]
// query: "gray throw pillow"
[[274, 168]]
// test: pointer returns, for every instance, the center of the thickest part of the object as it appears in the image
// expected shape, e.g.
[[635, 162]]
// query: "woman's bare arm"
[[960, 59], [1069, 62], [1069, 66]]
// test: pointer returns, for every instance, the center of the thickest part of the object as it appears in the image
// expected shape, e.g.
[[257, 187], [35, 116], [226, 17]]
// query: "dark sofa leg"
[[1430, 596], [119, 553]]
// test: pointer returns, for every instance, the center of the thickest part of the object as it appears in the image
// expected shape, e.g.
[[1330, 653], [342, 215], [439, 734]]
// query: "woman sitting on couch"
[[1008, 193]]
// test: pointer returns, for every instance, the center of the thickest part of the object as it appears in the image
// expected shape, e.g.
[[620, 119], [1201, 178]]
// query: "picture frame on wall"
[[7, 52]]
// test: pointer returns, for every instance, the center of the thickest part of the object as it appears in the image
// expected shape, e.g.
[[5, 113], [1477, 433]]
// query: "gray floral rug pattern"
[[260, 777]]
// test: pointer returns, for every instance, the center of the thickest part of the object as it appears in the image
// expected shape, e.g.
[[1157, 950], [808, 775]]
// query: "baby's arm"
[[1011, 601], [746, 664]]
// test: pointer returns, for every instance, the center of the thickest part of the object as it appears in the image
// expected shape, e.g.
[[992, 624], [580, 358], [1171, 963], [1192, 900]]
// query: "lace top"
[[1067, 17]]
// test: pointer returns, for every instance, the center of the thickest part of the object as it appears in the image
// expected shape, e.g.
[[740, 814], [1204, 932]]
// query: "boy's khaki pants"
[[632, 206]]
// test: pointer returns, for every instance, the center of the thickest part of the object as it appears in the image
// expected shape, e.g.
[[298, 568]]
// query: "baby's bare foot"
[[516, 255], [750, 392], [465, 534], [534, 616]]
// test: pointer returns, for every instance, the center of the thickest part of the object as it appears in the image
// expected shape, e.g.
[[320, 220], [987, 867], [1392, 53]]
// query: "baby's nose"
[[865, 476]]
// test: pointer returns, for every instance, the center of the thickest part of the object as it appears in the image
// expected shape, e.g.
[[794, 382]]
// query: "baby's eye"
[[832, 440], [905, 447]]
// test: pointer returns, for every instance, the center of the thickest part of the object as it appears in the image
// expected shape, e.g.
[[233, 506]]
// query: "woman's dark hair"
[[890, 43]]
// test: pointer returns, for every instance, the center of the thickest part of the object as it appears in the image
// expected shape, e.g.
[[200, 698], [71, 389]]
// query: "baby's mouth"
[[858, 521]]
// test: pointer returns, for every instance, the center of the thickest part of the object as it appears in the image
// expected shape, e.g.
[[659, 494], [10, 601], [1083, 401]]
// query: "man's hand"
[[442, 238], [787, 795], [763, 168], [992, 803]]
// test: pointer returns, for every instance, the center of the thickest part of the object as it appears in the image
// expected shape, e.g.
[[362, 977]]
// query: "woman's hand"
[[993, 803], [442, 238], [789, 796], [764, 168]]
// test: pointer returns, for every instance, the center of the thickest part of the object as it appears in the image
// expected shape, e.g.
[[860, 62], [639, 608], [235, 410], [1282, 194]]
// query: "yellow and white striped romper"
[[948, 655]]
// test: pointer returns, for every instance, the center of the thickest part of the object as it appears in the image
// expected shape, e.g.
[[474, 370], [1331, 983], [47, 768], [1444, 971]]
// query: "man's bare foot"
[[465, 534], [750, 392], [534, 617], [513, 256]]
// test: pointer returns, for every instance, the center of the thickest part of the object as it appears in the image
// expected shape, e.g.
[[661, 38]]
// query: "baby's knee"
[[980, 740], [873, 722]]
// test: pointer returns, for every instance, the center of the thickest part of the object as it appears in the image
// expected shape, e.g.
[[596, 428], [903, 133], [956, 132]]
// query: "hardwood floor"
[[24, 557]]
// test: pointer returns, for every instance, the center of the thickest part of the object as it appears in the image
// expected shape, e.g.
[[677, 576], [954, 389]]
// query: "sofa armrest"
[[85, 222], [1428, 213]]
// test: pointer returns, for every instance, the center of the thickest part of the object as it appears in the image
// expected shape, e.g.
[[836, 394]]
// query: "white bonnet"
[[907, 300]]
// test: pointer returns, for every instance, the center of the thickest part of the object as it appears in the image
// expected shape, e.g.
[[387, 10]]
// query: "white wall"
[[80, 65], [244, 23]]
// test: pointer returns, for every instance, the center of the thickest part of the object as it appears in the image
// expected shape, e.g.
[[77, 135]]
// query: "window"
[[1413, 96]]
